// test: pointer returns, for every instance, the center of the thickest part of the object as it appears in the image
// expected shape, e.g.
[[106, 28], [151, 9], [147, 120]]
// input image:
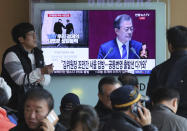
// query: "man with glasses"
[[24, 61], [122, 47]]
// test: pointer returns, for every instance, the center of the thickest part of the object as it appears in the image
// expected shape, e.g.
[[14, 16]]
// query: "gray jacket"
[[166, 120]]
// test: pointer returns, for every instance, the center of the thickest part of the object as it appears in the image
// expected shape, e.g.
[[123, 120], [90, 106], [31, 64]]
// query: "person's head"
[[125, 98], [68, 102], [123, 27], [144, 46], [106, 86], [67, 20], [176, 37], [3, 97], [128, 79], [38, 103], [59, 20], [24, 34], [84, 118], [168, 96]]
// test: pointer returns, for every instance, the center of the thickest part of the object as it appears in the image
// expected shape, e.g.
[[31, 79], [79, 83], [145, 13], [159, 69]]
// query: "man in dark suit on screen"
[[69, 27], [122, 47], [58, 27]]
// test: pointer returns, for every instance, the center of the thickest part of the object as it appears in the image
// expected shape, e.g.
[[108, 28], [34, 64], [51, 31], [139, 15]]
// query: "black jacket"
[[102, 111], [172, 73], [24, 127], [119, 121], [64, 119], [58, 28], [16, 101], [104, 114]]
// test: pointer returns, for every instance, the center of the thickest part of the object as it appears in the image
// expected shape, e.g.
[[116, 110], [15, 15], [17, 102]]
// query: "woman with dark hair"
[[84, 118], [144, 53]]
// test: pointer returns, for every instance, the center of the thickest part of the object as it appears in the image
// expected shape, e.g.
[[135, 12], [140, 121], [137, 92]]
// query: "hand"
[[145, 116], [46, 125], [47, 69], [39, 80]]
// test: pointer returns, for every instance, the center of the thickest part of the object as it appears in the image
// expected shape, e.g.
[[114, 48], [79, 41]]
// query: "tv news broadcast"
[[86, 42]]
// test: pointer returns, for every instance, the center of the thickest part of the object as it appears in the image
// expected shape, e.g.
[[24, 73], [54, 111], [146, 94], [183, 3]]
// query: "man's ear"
[[21, 39], [100, 96], [170, 48], [175, 102], [116, 30], [60, 108]]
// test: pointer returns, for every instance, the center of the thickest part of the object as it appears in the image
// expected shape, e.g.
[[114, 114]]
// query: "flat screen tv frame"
[[160, 13]]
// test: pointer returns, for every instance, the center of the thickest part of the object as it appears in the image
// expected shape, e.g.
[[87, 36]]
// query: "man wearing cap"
[[129, 114], [68, 102]]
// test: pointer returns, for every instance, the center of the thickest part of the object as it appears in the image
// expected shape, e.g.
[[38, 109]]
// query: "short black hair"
[[106, 80], [3, 97], [121, 18], [177, 36], [163, 93], [20, 30], [40, 94], [87, 116], [128, 79]]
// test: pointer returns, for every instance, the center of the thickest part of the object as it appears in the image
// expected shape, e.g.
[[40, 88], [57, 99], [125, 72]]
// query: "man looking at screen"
[[172, 73], [24, 62], [122, 47], [105, 87]]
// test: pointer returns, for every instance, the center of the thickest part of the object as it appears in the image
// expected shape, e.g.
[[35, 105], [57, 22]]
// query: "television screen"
[[85, 41]]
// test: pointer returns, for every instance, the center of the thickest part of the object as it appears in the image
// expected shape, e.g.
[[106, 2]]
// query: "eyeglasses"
[[32, 34], [126, 29]]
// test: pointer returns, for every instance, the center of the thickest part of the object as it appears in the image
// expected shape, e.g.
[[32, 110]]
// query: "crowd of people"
[[26, 106]]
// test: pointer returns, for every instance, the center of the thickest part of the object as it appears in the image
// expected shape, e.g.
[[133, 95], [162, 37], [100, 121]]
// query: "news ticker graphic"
[[106, 66], [64, 38]]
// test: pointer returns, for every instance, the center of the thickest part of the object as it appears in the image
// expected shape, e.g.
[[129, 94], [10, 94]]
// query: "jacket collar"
[[101, 106], [162, 107], [179, 53], [126, 118], [21, 48]]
